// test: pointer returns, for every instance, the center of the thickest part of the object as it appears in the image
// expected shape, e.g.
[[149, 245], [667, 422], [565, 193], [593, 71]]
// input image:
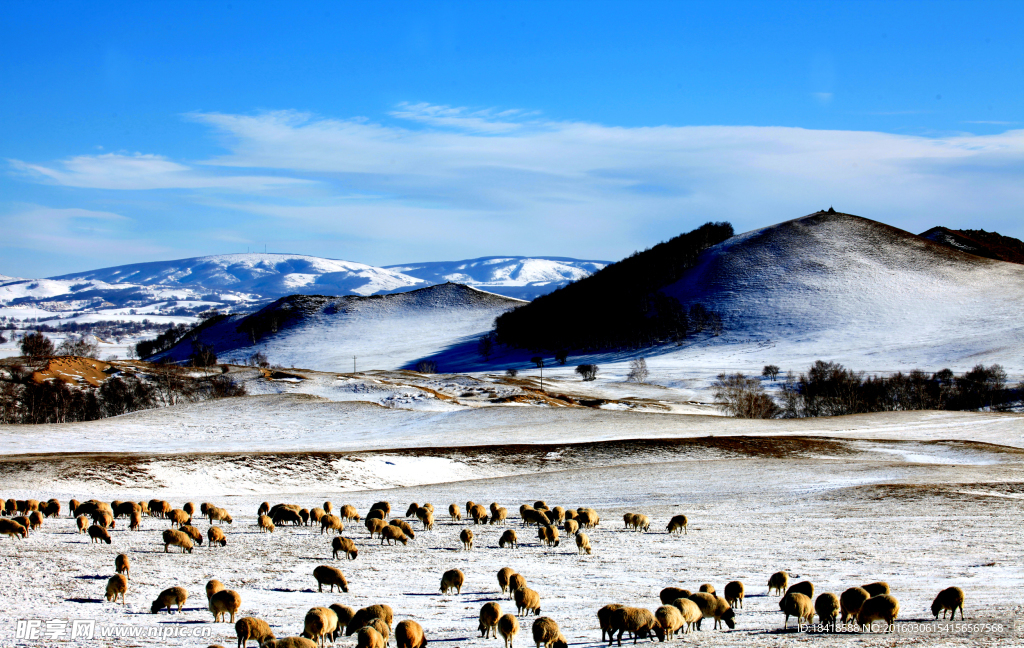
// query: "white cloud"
[[79, 233]]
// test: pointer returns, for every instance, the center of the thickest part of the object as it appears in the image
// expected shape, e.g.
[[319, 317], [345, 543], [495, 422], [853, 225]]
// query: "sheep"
[[952, 599], [349, 512], [570, 515], [369, 638], [376, 525], [778, 582], [159, 508], [405, 527], [216, 536], [304, 516], [884, 607], [51, 508], [571, 527], [27, 506], [546, 633], [583, 544], [426, 517], [670, 594], [263, 510], [469, 506], [103, 519], [548, 535], [527, 600], [23, 521], [345, 615], [509, 538], [670, 620], [851, 601], [827, 606], [266, 525], [797, 604], [499, 515], [804, 587], [204, 507], [604, 619], [515, 581], [83, 523], [691, 613], [217, 514], [508, 628], [281, 515], [409, 634], [143, 507], [248, 628], [365, 615], [330, 576], [316, 514], [466, 536], [171, 596], [72, 505], [391, 534], [122, 565], [188, 507], [117, 585], [178, 539], [346, 546], [639, 622], [179, 517], [734, 592], [714, 606], [489, 615], [876, 589], [195, 534], [35, 520], [382, 506], [96, 533], [641, 523], [452, 580], [331, 523], [478, 513], [288, 642], [503, 575], [320, 623], [557, 514], [136, 523], [411, 511], [707, 588], [223, 603], [588, 518], [531, 516], [212, 587], [454, 512]]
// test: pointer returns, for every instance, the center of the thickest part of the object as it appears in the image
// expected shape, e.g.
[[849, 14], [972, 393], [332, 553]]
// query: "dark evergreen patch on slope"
[[990, 245]]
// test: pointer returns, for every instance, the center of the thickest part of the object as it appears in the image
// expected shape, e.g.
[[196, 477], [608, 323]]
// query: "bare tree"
[[78, 345], [587, 371], [771, 372], [36, 345], [511, 373], [637, 371], [426, 367], [744, 397]]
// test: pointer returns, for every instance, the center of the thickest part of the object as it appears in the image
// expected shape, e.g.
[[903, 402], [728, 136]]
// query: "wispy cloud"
[[79, 233], [992, 122]]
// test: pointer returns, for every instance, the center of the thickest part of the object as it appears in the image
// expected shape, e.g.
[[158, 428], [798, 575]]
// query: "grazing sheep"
[[499, 515], [217, 514], [304, 516], [426, 517], [267, 525], [189, 508], [383, 628], [364, 616], [375, 514], [548, 535], [83, 523], [216, 536], [527, 600], [316, 514], [345, 615], [876, 589], [288, 642], [583, 544], [541, 505], [411, 511], [117, 585], [50, 508], [176, 538], [212, 587], [714, 606], [707, 588], [136, 523], [604, 619], [570, 515], [405, 527], [391, 534], [369, 638], [489, 615], [546, 633], [349, 512], [515, 581], [252, 628], [97, 533], [331, 523], [851, 601], [35, 520], [466, 536], [194, 533], [508, 628], [952, 599], [204, 507], [734, 592], [179, 517], [804, 587], [469, 506], [454, 512], [478, 513], [409, 634], [670, 594], [452, 580], [23, 521], [503, 575], [175, 596], [670, 620], [884, 607], [382, 506], [638, 622], [827, 606], [376, 525], [125, 509], [571, 527], [330, 576], [556, 514], [159, 508], [691, 613], [122, 565], [509, 538], [532, 516], [346, 546], [641, 523], [588, 518], [778, 582], [263, 510], [320, 624], [223, 603], [72, 505], [797, 604], [103, 519], [282, 515]]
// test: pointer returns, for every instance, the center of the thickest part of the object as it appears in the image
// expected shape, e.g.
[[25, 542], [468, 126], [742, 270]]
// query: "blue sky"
[[398, 132]]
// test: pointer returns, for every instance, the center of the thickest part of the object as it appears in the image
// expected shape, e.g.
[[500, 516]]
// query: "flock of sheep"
[[681, 610]]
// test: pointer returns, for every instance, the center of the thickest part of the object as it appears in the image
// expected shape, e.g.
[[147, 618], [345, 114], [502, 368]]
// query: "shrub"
[[744, 397], [36, 345], [511, 373], [587, 371], [427, 367], [771, 372], [637, 371]]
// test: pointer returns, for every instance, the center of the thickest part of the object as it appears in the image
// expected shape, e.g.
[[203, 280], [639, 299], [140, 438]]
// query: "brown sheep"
[[409, 634], [604, 619], [189, 508], [734, 592], [527, 600], [797, 604], [405, 527], [548, 535], [540, 505], [376, 514], [320, 624], [212, 587], [508, 628], [851, 601], [23, 521], [35, 520], [51, 508], [489, 615], [178, 539], [251, 628], [267, 525], [159, 508], [195, 534], [369, 638], [411, 511], [876, 589], [670, 594], [884, 607], [216, 536], [454, 512], [122, 565], [288, 642], [499, 516], [97, 533], [532, 516], [375, 525], [223, 603], [345, 615], [285, 514], [83, 523], [426, 517], [349, 512], [570, 515], [467, 539], [346, 546], [523, 508], [503, 575], [125, 509], [316, 514], [588, 518], [670, 621], [452, 580], [136, 521], [642, 523], [217, 514], [364, 616], [330, 576], [637, 621], [469, 506], [677, 523], [304, 516], [804, 587], [691, 613], [583, 544], [117, 585], [172, 596], [716, 607], [478, 513], [331, 523], [827, 607], [571, 527], [509, 538], [383, 628], [707, 588], [103, 519], [204, 507], [546, 633], [263, 510], [952, 599], [515, 581], [557, 514], [382, 506], [179, 517], [72, 505], [778, 582], [391, 534]]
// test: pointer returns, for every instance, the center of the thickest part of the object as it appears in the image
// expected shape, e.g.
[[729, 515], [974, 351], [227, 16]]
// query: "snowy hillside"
[[383, 332], [521, 277]]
